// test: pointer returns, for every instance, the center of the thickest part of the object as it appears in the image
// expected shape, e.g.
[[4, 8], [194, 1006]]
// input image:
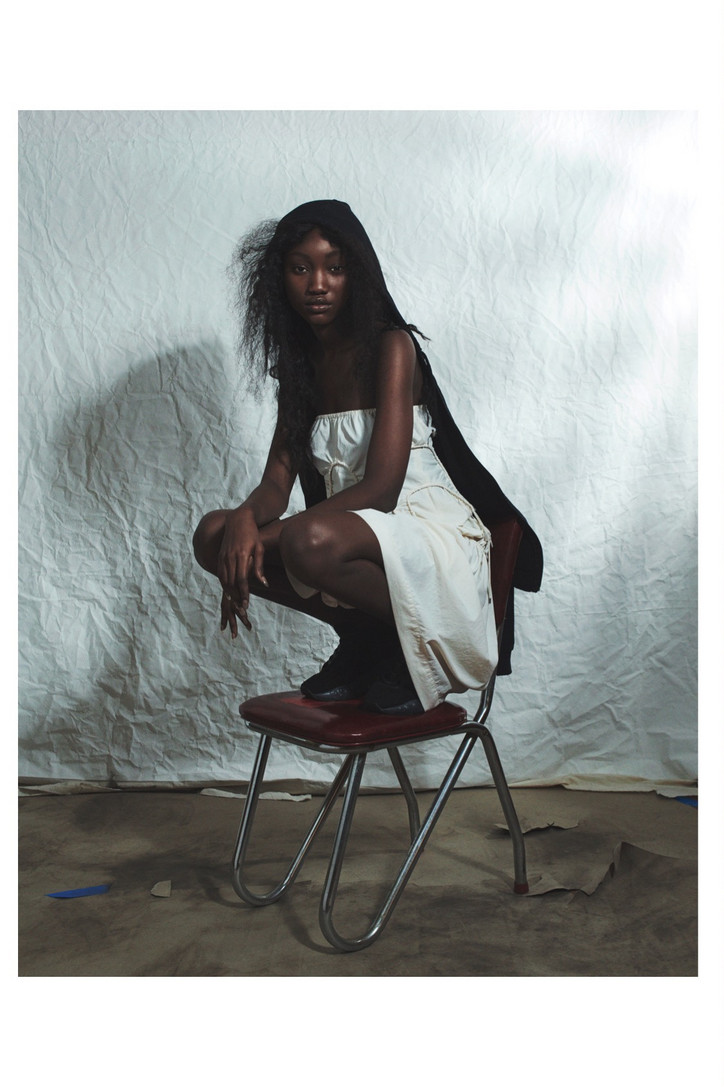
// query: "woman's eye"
[[337, 269]]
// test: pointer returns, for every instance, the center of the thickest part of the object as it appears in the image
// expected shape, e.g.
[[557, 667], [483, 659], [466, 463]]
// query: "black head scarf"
[[473, 481], [338, 217]]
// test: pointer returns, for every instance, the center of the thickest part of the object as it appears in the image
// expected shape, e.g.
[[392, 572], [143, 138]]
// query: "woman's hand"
[[229, 613], [241, 555]]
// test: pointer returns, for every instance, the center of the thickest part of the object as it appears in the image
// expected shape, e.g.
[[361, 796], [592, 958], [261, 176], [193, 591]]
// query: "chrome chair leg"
[[247, 822], [413, 810], [520, 885], [326, 907]]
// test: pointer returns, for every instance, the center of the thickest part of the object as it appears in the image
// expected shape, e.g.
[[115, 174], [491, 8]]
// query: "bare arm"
[[242, 551], [270, 499]]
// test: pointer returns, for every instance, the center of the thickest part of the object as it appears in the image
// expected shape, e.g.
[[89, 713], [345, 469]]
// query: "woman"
[[390, 551]]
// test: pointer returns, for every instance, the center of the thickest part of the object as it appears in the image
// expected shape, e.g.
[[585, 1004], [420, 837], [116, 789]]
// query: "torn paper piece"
[[541, 822], [285, 796], [65, 788], [223, 792], [81, 892], [607, 783], [577, 872], [162, 889], [262, 796]]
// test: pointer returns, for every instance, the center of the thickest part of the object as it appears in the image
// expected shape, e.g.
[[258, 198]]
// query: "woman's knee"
[[308, 547], [207, 539]]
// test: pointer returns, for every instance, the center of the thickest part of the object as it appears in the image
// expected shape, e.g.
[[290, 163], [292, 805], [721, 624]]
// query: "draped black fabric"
[[474, 482]]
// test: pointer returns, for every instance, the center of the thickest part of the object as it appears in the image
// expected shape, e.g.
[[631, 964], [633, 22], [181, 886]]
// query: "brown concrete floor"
[[635, 853]]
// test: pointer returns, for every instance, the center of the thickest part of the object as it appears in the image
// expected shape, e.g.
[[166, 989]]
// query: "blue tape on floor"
[[81, 892], [692, 801]]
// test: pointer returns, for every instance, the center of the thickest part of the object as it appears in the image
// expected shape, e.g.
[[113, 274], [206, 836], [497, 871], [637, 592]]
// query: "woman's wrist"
[[244, 514]]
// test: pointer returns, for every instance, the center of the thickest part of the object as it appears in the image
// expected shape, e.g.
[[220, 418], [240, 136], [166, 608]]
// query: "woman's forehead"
[[314, 241]]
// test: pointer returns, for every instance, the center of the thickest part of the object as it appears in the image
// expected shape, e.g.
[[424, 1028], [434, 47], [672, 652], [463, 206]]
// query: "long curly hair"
[[274, 341]]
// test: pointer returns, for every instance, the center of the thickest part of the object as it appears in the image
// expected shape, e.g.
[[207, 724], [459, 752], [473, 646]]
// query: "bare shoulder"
[[397, 366], [396, 344]]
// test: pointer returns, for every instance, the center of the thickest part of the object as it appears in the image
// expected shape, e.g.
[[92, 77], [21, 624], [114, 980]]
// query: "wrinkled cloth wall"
[[548, 257]]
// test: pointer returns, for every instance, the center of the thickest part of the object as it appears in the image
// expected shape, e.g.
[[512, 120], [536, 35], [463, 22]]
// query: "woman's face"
[[316, 280]]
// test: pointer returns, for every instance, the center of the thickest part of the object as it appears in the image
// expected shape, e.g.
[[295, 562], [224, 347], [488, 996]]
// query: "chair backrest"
[[506, 541]]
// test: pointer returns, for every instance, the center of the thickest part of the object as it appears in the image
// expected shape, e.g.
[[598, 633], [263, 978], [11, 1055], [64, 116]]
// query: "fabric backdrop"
[[549, 258]]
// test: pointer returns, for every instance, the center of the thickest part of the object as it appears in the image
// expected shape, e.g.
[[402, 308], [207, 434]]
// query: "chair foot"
[[247, 820], [520, 885]]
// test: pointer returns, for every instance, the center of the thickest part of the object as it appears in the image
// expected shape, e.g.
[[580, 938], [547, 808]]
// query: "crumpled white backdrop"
[[548, 255]]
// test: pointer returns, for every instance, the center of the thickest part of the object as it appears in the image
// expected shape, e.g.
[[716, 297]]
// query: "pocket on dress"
[[440, 504], [445, 508]]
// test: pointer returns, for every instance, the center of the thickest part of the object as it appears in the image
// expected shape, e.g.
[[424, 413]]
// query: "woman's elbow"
[[381, 491], [387, 499]]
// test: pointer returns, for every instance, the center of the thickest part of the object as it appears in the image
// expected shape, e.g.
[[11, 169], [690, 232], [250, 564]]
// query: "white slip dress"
[[436, 554]]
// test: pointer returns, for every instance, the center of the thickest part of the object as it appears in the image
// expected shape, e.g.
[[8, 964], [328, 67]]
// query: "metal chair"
[[345, 729]]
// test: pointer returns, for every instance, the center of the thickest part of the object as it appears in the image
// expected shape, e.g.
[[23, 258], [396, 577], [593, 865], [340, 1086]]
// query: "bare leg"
[[337, 553], [370, 580]]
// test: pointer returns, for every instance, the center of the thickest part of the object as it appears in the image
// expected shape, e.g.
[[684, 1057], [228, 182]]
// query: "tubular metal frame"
[[349, 779]]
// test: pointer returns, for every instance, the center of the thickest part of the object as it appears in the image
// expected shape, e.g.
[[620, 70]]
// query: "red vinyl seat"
[[345, 729]]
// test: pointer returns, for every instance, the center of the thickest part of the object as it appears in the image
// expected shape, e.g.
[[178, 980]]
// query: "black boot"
[[393, 691], [364, 643]]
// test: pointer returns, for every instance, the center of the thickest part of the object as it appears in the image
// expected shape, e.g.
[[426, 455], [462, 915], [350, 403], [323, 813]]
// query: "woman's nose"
[[318, 282]]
